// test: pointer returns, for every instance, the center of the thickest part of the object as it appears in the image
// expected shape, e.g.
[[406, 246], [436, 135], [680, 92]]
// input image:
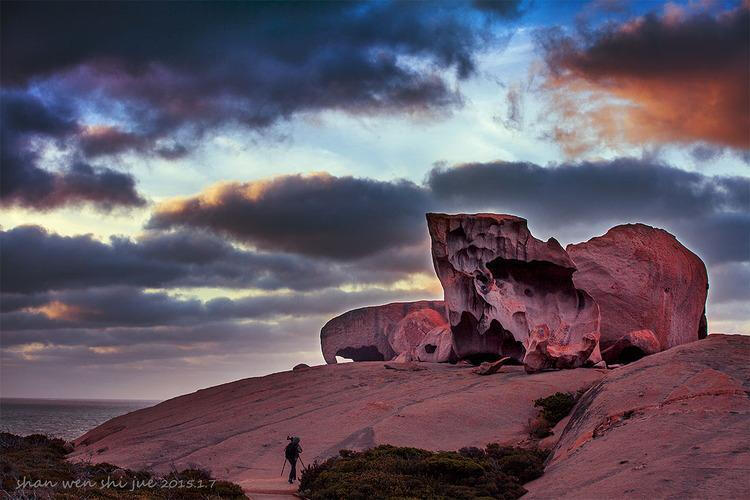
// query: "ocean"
[[64, 418]]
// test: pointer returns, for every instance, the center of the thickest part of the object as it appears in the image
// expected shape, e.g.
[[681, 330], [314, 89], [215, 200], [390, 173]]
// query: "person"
[[292, 451]]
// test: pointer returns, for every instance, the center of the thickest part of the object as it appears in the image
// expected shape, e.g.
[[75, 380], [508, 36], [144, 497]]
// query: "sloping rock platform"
[[672, 425], [238, 430]]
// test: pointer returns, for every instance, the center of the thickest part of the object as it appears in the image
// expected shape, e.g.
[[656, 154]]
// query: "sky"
[[190, 191]]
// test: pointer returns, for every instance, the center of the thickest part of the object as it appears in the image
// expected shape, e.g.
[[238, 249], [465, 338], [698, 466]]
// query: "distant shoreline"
[[65, 418], [76, 400]]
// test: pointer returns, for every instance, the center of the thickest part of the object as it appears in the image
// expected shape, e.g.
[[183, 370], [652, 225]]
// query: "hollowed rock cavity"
[[510, 294]]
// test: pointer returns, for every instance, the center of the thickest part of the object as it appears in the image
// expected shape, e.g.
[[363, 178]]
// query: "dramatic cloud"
[[25, 122], [34, 260], [361, 220], [710, 214], [131, 307], [319, 215], [159, 68], [680, 77]]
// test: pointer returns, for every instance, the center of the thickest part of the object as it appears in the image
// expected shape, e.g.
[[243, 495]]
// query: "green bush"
[[37, 457], [390, 472], [556, 407]]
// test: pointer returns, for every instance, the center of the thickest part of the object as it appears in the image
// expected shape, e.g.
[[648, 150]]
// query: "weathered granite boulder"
[[510, 294], [632, 346], [643, 279], [363, 334], [436, 346], [412, 329]]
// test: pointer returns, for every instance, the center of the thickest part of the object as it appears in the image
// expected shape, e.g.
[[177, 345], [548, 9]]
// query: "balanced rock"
[[643, 279], [363, 334], [510, 294]]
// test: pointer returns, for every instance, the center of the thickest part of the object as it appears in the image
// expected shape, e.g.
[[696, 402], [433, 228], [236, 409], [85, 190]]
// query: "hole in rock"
[[494, 343], [541, 276], [508, 344], [365, 353], [429, 348], [630, 354]]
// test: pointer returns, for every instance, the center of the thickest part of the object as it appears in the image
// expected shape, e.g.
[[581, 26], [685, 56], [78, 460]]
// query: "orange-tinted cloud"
[[671, 78]]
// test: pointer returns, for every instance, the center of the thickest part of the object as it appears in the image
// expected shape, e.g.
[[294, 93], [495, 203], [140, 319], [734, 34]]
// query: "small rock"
[[301, 366], [404, 357], [601, 364], [488, 368]]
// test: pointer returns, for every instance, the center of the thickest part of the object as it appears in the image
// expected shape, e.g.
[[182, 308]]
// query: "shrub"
[[556, 407], [37, 457], [405, 473]]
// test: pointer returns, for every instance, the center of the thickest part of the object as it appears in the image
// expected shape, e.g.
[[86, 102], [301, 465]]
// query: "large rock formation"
[[365, 334], [672, 425], [510, 294], [643, 279], [632, 292]]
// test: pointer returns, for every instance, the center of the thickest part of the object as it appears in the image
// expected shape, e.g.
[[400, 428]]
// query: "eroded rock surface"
[[672, 425], [643, 278], [436, 346], [510, 294], [410, 332], [364, 334]]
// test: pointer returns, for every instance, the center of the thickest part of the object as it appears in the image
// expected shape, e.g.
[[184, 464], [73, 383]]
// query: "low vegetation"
[[552, 409], [37, 464], [388, 472]]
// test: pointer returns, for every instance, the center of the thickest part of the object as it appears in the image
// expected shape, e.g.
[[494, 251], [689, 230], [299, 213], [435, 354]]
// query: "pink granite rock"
[[643, 279], [510, 294], [672, 425], [632, 346], [412, 329], [436, 346], [363, 334], [238, 430]]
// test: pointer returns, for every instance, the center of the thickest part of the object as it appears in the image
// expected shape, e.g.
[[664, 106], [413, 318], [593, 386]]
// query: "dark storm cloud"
[[734, 278], [98, 308], [75, 346], [682, 75], [26, 120], [504, 8], [711, 213], [348, 218], [198, 65], [34, 260], [319, 215]]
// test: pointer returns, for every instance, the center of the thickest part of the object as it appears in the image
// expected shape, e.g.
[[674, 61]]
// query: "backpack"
[[291, 451]]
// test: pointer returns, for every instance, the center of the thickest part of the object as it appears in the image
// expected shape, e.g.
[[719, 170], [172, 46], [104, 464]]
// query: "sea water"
[[64, 418]]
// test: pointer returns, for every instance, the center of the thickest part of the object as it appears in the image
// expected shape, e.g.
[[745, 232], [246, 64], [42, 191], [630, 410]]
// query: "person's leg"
[[292, 471]]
